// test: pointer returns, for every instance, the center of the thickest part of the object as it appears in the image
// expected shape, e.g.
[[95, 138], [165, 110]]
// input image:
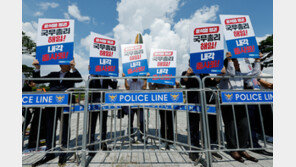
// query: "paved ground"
[[137, 157]]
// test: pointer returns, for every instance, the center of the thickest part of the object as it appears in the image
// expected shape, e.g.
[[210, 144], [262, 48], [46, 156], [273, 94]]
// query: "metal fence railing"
[[96, 120], [237, 108]]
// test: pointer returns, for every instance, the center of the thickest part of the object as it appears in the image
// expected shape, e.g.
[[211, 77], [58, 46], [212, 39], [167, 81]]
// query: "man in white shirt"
[[136, 84]]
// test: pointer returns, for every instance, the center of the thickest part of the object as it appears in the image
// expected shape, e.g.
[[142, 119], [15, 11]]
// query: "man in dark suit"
[[35, 115], [93, 115], [57, 85], [194, 118], [192, 97]]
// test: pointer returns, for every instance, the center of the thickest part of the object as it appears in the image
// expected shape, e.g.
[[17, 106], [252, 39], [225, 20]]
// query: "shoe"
[[92, 154], [194, 157], [132, 140], [263, 152], [62, 159], [45, 159], [247, 156], [216, 155], [104, 147], [91, 148], [61, 165], [141, 140], [163, 146], [235, 155], [172, 147]]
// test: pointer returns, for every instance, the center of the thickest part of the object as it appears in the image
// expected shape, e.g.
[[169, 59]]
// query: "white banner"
[[134, 59], [206, 37], [55, 31], [161, 58], [133, 52], [102, 46], [236, 26]]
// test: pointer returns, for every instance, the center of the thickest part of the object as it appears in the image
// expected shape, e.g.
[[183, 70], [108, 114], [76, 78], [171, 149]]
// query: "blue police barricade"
[[238, 113]]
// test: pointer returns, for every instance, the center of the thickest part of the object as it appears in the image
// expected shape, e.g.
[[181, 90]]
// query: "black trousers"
[[27, 118], [34, 128], [194, 119], [51, 130], [255, 121], [267, 114], [140, 115], [166, 124], [242, 126], [194, 128], [93, 118], [213, 128]]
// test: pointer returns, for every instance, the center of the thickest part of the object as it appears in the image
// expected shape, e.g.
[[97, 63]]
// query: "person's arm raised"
[[36, 73], [188, 73], [145, 82], [230, 66], [257, 67], [127, 87]]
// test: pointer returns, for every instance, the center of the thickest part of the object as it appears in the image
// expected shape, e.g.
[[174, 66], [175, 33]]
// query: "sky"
[[163, 23]]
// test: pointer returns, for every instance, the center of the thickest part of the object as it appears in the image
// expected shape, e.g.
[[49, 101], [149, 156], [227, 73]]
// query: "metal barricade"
[[95, 126], [222, 116], [45, 109], [120, 137]]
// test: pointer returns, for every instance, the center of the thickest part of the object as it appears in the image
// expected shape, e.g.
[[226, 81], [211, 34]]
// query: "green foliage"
[[266, 45], [29, 46], [27, 70]]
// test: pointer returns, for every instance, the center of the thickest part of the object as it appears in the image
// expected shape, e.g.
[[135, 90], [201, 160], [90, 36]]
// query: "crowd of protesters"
[[235, 119]]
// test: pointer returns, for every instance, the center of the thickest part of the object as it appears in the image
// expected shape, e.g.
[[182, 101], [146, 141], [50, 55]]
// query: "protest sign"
[[103, 56], [206, 48], [55, 41], [162, 63], [239, 35], [134, 59]]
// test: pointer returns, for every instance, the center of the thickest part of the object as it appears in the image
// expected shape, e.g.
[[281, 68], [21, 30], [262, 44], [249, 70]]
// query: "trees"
[[28, 45], [266, 47], [27, 71]]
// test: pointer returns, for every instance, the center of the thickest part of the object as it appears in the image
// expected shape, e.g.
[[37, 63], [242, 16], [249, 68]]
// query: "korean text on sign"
[[206, 48], [103, 56], [55, 41], [239, 35], [134, 59], [162, 63]]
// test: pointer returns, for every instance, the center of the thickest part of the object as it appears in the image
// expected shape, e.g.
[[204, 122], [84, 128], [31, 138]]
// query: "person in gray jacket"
[[232, 68]]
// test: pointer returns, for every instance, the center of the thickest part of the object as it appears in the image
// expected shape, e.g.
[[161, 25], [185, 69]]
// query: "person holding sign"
[[193, 97], [136, 84], [57, 85], [194, 118], [240, 131], [93, 116]]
